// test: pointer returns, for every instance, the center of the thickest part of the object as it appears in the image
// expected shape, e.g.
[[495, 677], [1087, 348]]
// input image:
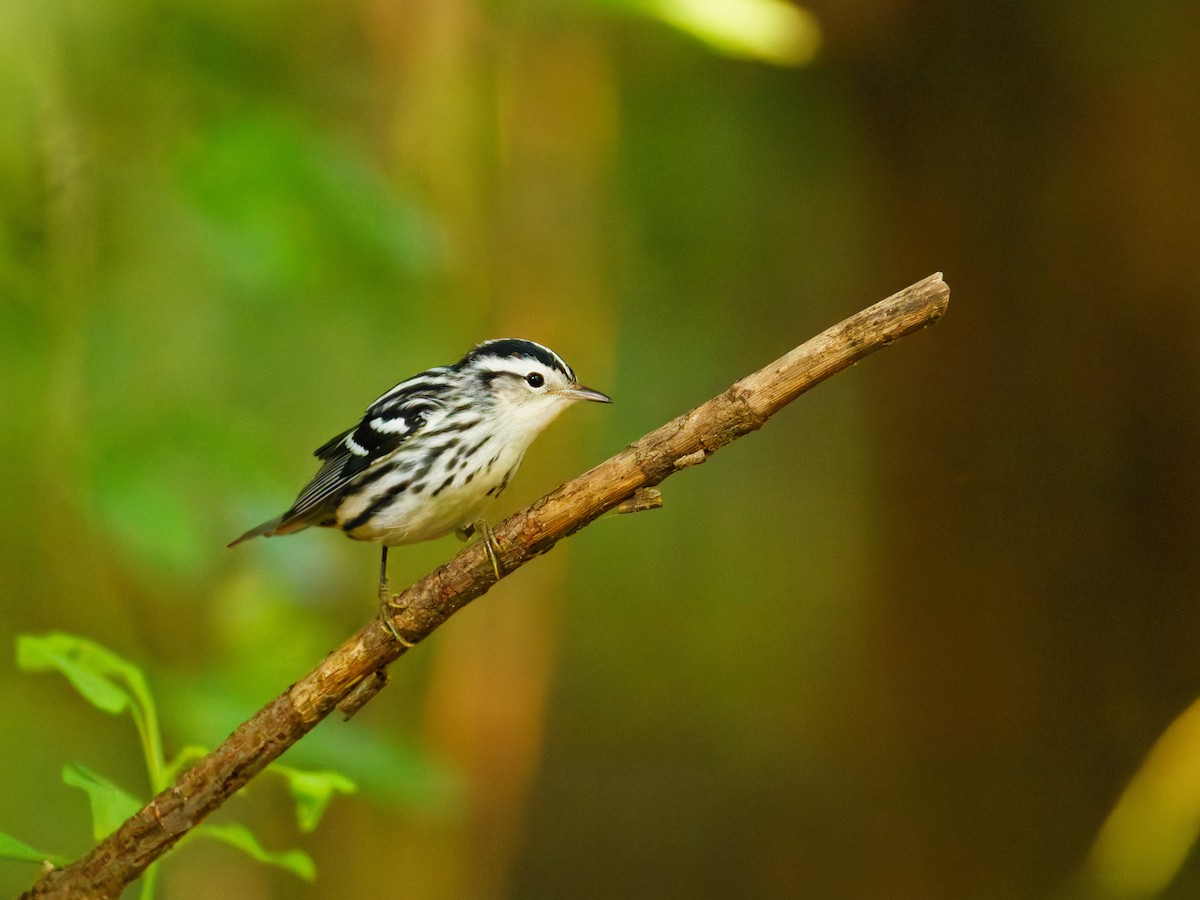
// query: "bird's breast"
[[422, 499]]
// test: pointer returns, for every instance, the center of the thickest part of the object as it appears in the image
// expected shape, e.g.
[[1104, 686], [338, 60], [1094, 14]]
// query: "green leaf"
[[1154, 827], [312, 792], [111, 806], [773, 31], [88, 666], [106, 680], [11, 848], [237, 835]]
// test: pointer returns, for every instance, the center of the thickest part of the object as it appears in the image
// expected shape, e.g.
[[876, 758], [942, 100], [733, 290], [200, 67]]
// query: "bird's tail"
[[266, 529]]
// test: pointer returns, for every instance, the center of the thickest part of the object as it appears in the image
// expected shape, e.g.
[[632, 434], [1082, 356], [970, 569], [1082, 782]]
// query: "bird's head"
[[529, 384]]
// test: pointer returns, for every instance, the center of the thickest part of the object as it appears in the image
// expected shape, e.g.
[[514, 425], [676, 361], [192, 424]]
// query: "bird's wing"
[[392, 420]]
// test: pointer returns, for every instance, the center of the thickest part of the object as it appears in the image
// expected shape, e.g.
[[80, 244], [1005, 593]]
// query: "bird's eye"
[[535, 379]]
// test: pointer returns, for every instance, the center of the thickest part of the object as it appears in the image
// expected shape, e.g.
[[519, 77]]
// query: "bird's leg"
[[387, 603], [487, 537], [383, 582]]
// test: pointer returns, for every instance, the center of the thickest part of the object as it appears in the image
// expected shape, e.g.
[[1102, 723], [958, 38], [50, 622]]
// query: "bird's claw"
[[487, 537], [388, 606], [490, 547]]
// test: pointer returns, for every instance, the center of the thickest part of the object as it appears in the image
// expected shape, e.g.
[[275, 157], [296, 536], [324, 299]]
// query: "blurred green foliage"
[[913, 640]]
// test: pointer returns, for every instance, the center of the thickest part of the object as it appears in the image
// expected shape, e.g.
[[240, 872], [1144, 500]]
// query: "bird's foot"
[[488, 538], [387, 608]]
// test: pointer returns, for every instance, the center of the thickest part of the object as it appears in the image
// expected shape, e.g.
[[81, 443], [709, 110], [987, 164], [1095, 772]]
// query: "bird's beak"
[[579, 392]]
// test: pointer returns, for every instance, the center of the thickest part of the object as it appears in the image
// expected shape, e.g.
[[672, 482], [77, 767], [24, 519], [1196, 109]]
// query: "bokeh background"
[[913, 640]]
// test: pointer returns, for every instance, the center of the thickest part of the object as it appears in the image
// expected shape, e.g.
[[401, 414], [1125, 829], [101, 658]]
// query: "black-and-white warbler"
[[431, 453]]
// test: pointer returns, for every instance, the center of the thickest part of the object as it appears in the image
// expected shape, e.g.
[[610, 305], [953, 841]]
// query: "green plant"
[[116, 686]]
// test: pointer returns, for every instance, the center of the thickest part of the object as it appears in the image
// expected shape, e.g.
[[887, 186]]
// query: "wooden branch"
[[686, 441]]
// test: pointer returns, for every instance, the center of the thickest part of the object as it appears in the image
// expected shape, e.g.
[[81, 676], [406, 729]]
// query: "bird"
[[429, 456]]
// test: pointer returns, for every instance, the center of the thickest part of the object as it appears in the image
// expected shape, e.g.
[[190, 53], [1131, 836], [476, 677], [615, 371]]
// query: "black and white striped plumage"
[[430, 454]]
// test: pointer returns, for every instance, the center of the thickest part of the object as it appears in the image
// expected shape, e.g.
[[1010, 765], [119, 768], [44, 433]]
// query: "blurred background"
[[912, 640]]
